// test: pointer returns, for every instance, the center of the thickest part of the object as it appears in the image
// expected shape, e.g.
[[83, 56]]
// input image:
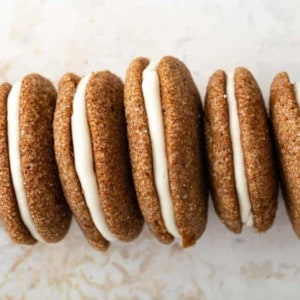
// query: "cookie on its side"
[[33, 206], [285, 117], [9, 211], [164, 124], [239, 151], [92, 156]]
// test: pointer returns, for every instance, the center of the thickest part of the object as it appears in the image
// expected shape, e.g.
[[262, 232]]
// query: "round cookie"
[[164, 124], [33, 206], [239, 151], [285, 117], [9, 211], [105, 207]]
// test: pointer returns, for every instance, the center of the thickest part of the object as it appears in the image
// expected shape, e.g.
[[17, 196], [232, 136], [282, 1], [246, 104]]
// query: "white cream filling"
[[238, 157], [84, 161], [296, 87], [13, 134], [152, 99]]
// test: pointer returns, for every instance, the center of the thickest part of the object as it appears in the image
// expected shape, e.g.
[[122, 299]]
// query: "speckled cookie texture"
[[9, 211], [257, 148], [219, 152], [140, 150], [106, 117], [285, 116], [257, 151], [65, 159], [45, 198], [182, 115], [105, 113]]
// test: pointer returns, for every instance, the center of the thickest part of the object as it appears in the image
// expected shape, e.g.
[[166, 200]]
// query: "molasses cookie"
[[285, 117], [92, 156], [239, 151], [32, 203], [164, 123]]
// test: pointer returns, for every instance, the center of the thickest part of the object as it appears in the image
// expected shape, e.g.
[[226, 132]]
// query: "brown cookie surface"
[[285, 116], [182, 124], [140, 150], [106, 117], [183, 120], [65, 160], [256, 145], [49, 210], [219, 153], [257, 149], [9, 211]]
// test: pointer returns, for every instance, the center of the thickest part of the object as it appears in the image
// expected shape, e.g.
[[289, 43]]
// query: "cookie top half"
[[92, 154], [35, 207], [164, 121], [285, 116], [9, 211], [239, 151]]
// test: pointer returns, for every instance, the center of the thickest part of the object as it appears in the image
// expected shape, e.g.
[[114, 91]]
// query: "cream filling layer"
[[296, 87], [84, 160], [13, 134], [238, 157], [152, 99]]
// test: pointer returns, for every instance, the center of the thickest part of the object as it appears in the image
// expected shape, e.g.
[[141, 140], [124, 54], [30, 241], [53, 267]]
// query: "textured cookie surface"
[[65, 160], [9, 211], [219, 152], [49, 210], [257, 149], [141, 152], [106, 117], [183, 126], [285, 115]]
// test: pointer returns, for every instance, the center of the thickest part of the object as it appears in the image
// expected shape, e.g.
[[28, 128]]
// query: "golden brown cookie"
[[103, 96], [64, 156], [285, 117], [182, 125], [256, 158], [42, 201], [219, 152], [9, 211]]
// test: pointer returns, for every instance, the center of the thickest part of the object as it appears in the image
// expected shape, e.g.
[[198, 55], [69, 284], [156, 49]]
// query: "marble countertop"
[[53, 37]]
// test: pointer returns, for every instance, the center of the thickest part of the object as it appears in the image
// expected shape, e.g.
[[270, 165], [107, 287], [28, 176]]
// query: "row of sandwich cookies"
[[69, 152]]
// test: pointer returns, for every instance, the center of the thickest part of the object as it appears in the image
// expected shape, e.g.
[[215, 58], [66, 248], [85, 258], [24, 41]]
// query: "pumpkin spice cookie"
[[239, 151], [32, 207], [164, 124], [92, 155], [285, 117]]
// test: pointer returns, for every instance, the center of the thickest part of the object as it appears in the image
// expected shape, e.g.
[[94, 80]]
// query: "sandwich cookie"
[[285, 117], [239, 151], [164, 124], [33, 207], [92, 155]]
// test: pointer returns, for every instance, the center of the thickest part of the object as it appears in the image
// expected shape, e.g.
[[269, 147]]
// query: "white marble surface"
[[53, 37]]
